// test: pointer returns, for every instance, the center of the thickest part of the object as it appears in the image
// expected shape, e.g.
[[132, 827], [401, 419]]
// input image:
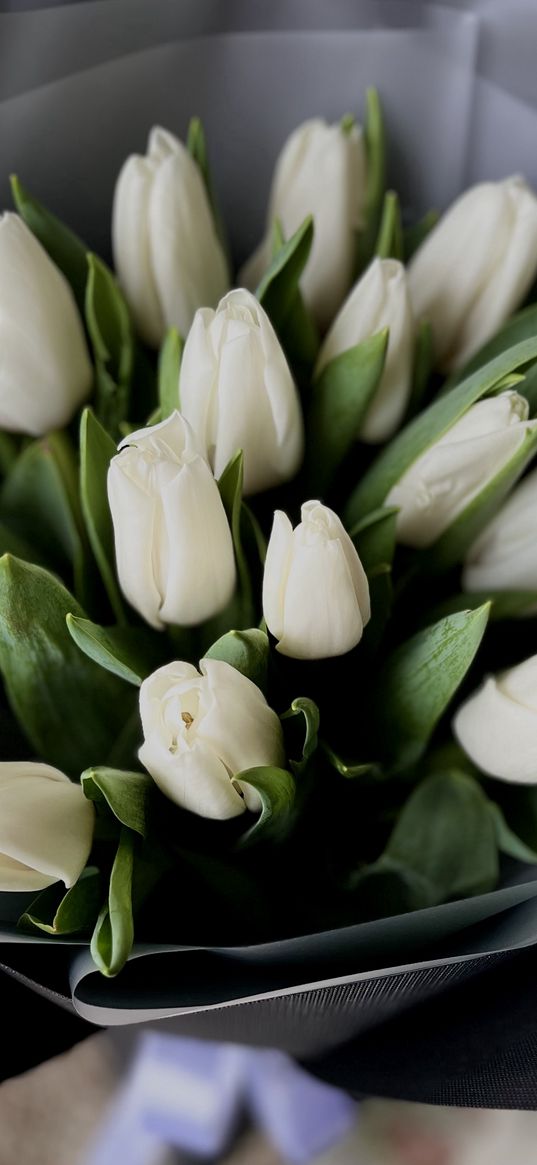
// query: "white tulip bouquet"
[[267, 603]]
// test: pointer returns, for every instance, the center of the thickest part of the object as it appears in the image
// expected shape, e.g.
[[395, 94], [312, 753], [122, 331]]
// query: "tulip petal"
[[321, 611], [499, 734], [196, 779], [277, 564], [238, 724], [45, 372], [46, 827], [132, 249], [135, 517]]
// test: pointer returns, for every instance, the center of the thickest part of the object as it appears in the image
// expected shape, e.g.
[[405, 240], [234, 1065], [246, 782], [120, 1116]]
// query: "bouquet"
[[269, 569]]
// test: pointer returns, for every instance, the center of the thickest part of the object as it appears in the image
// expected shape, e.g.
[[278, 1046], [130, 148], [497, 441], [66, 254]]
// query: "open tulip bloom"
[[250, 720]]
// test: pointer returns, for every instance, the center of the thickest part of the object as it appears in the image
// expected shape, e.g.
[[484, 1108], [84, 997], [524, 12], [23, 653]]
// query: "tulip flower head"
[[475, 267], [321, 171], [237, 392], [497, 726], [202, 728], [174, 549], [46, 827], [379, 300], [45, 372], [167, 253], [443, 481], [315, 590]]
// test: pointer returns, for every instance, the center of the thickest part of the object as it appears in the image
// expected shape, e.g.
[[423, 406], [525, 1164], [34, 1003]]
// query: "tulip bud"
[[497, 726], [320, 171], [174, 549], [475, 267], [379, 300], [237, 392], [46, 827], [315, 590], [166, 249], [504, 557], [200, 730], [443, 481], [45, 372]]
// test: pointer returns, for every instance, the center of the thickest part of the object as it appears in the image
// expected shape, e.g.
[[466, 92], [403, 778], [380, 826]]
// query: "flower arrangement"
[[266, 597]]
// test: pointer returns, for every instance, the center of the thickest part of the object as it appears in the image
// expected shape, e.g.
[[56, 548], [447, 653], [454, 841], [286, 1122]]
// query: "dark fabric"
[[475, 1045], [38, 1029]]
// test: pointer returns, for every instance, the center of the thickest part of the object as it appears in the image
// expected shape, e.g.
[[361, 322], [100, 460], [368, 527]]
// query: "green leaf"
[[109, 326], [453, 545], [276, 789], [66, 250], [375, 144], [247, 651], [389, 243], [504, 604], [196, 144], [96, 452], [381, 597], [70, 710], [507, 840], [445, 834], [241, 609], [348, 769], [168, 373], [522, 326], [420, 679], [113, 936], [422, 366], [374, 537], [10, 448], [426, 428], [131, 653], [415, 235], [40, 501], [127, 795], [278, 288], [305, 707], [56, 912], [387, 888], [340, 399]]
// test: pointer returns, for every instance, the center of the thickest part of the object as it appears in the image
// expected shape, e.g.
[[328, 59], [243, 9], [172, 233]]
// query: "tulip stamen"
[[187, 719]]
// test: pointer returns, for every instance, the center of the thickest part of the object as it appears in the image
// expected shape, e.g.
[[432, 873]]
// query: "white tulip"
[[46, 827], [504, 557], [497, 726], [167, 253], [379, 300], [174, 549], [475, 267], [320, 171], [315, 590], [237, 392], [45, 372], [200, 730], [443, 481]]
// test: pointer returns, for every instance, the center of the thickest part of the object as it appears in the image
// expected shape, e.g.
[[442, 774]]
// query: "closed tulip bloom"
[[315, 590], [46, 827], [443, 481], [321, 171], [200, 729], [174, 549], [379, 300], [497, 726], [504, 557], [475, 267], [167, 253], [45, 372], [237, 392]]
